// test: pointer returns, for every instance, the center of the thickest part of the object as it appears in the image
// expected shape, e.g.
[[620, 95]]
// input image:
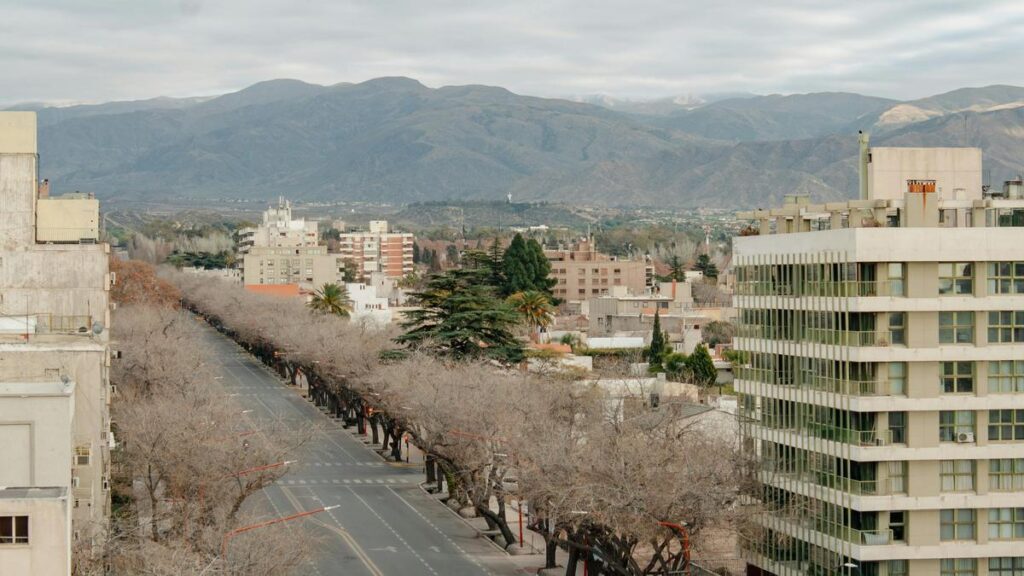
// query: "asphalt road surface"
[[384, 524]]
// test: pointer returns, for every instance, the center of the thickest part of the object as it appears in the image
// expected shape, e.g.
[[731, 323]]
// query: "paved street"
[[384, 525]]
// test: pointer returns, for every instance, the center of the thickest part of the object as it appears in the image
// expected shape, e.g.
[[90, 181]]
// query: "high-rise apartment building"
[[883, 386], [377, 250], [54, 357]]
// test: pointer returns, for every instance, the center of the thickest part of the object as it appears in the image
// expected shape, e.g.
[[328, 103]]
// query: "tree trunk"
[[497, 521], [431, 470], [373, 429]]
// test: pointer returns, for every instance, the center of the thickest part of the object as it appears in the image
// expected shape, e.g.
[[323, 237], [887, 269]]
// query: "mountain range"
[[396, 140]]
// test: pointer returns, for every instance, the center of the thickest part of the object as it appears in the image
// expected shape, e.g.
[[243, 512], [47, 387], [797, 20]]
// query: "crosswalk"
[[343, 481]]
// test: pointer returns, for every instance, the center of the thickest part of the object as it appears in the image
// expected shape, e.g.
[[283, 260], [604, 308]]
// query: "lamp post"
[[229, 535]]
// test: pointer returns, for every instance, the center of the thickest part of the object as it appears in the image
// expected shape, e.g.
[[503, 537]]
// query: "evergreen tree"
[[435, 261], [459, 316], [415, 253], [705, 265], [656, 351], [676, 271], [702, 367], [526, 267]]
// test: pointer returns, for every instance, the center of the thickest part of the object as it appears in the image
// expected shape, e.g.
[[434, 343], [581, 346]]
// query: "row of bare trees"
[[188, 460], [625, 494]]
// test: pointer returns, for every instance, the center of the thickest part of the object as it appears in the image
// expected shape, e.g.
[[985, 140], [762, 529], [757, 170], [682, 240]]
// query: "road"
[[384, 524]]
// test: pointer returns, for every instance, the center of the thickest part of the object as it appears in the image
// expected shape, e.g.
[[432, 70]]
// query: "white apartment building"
[[279, 230], [54, 357], [883, 387], [622, 314], [377, 250]]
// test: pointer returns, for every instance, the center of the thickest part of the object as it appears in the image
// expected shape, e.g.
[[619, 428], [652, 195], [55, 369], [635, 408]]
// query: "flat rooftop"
[[32, 493], [40, 388]]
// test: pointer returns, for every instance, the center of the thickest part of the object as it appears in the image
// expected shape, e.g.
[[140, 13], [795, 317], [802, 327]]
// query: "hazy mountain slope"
[[985, 99], [775, 117], [395, 140]]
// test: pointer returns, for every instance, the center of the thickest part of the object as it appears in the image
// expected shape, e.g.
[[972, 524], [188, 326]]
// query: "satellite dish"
[[97, 327]]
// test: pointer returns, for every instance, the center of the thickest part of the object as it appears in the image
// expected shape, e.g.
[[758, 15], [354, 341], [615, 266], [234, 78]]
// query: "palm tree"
[[534, 307], [331, 299]]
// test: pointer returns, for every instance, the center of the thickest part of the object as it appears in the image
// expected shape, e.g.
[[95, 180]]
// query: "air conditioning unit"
[[965, 437]]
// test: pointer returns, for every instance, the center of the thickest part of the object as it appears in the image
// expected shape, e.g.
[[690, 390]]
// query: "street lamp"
[[229, 535]]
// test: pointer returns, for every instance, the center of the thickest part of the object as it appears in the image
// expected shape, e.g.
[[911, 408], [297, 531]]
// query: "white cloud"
[[95, 50]]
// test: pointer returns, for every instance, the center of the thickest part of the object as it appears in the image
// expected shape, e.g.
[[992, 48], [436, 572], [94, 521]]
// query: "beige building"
[[279, 230], [884, 382], [54, 358], [307, 266], [619, 314], [377, 250], [581, 272]]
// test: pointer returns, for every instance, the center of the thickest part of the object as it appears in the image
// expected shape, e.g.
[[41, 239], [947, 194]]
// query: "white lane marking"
[[397, 535], [439, 531]]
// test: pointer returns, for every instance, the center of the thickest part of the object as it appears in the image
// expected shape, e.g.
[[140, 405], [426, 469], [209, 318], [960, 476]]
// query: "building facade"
[[581, 272], [883, 386], [620, 314], [308, 266], [377, 250], [54, 359], [279, 230]]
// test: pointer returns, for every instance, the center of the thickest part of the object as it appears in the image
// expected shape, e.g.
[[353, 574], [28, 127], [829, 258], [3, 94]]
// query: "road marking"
[[340, 531], [439, 531], [397, 535]]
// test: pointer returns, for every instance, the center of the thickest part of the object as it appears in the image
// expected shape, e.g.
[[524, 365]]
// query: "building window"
[[957, 377], [897, 378], [898, 328], [956, 525], [1005, 425], [898, 427], [958, 567], [897, 279], [898, 525], [13, 529], [82, 455], [1006, 376], [1006, 474], [1006, 326], [956, 327], [898, 477], [1006, 277], [956, 278], [1006, 566], [956, 475], [898, 567], [1005, 523], [953, 423]]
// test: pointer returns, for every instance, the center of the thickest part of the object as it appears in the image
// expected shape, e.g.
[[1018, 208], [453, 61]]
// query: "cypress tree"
[[657, 348]]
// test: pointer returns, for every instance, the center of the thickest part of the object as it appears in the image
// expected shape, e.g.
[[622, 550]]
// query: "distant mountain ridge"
[[396, 140]]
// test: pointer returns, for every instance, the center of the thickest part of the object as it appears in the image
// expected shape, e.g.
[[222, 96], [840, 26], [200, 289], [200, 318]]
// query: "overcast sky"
[[98, 50]]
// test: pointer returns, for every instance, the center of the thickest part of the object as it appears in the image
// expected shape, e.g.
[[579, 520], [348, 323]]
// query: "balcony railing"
[[831, 336], [808, 381], [35, 324], [799, 426], [838, 530], [823, 288]]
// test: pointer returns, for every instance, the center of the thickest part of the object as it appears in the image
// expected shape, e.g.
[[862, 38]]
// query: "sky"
[[71, 51]]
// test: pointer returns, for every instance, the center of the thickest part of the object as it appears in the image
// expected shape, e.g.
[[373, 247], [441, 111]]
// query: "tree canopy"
[[460, 316], [331, 299], [526, 267], [706, 266]]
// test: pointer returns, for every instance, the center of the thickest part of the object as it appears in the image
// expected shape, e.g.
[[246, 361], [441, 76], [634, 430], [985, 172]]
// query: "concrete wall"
[[36, 422], [951, 168], [17, 200], [67, 219], [48, 550]]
